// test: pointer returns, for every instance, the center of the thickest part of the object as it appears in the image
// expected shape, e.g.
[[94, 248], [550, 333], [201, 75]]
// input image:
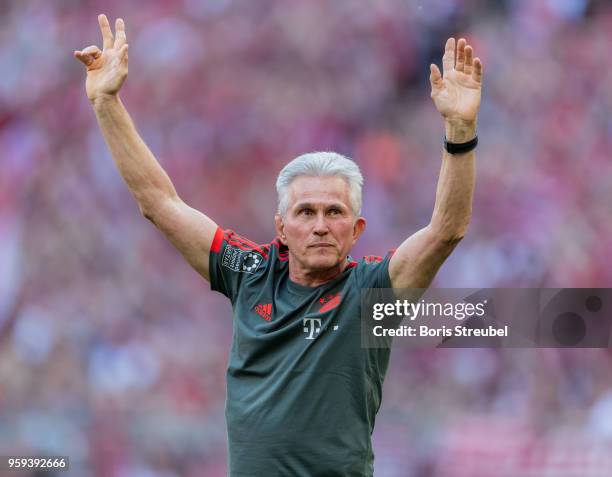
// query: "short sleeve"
[[373, 271], [233, 259]]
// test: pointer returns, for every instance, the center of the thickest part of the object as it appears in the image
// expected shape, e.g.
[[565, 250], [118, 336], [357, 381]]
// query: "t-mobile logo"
[[312, 326]]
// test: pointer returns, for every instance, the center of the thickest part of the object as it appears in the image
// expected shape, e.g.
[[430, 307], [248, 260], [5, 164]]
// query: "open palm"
[[106, 69], [456, 94]]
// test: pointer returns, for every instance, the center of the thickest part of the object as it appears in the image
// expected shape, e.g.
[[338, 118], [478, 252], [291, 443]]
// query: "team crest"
[[330, 302]]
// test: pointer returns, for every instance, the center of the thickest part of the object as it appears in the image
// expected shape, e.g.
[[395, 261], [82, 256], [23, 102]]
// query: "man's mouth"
[[320, 245]]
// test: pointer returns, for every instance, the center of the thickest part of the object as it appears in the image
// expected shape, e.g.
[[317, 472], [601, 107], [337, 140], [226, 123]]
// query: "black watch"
[[460, 148]]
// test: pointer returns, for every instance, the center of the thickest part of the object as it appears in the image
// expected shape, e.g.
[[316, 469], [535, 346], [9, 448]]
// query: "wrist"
[[102, 100], [459, 131]]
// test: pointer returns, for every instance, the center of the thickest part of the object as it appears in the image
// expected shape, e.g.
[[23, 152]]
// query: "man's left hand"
[[456, 94]]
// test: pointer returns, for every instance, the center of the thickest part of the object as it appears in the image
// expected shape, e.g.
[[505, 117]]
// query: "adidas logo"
[[265, 311]]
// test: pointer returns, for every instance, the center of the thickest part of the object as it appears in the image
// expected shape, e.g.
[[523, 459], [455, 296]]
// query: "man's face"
[[319, 226]]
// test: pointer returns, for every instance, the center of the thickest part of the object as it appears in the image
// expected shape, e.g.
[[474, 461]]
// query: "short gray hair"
[[318, 164]]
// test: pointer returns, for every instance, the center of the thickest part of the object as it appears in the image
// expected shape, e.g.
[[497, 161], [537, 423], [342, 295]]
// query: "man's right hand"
[[106, 69]]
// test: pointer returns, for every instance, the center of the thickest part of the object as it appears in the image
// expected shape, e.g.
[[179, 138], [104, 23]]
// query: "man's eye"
[[306, 211], [334, 211]]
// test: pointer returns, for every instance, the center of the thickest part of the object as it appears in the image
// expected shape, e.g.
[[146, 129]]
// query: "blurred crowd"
[[113, 351]]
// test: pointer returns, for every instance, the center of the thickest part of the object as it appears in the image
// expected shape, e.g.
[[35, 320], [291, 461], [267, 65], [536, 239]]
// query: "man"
[[302, 394]]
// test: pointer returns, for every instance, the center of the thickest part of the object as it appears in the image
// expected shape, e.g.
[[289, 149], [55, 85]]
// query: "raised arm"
[[456, 95], [190, 231]]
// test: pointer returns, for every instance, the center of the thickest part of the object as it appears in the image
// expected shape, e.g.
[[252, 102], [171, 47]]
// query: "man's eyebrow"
[[310, 205]]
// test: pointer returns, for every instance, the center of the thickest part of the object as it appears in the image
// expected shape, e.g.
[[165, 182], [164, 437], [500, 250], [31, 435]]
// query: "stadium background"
[[113, 350]]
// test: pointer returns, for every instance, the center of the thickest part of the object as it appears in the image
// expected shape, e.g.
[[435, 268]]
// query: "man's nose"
[[321, 227]]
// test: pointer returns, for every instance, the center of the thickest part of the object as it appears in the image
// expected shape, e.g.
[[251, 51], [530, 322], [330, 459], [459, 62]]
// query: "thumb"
[[435, 77], [88, 55]]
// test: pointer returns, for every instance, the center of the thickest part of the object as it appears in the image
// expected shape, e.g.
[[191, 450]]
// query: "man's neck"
[[316, 278]]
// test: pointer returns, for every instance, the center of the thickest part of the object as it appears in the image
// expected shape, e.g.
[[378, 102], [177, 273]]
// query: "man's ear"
[[358, 228], [280, 228]]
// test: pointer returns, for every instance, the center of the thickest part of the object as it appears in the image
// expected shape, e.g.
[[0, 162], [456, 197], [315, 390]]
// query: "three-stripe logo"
[[264, 310]]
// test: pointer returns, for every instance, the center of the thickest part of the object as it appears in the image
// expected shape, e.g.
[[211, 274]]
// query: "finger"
[[435, 77], [92, 50], [469, 53], [123, 53], [477, 73], [107, 34], [460, 64], [448, 60], [88, 55], [85, 59], [120, 38]]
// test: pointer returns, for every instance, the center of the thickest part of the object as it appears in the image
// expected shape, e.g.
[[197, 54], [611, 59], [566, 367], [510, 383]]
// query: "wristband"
[[460, 148]]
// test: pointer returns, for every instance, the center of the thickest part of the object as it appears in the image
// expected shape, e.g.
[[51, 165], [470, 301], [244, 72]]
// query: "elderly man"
[[302, 394]]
